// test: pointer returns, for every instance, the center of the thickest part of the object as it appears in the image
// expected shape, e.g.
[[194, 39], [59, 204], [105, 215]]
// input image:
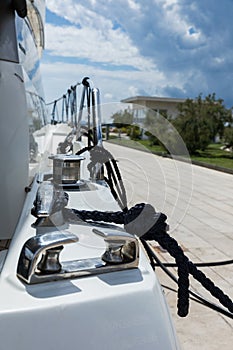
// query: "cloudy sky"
[[169, 48]]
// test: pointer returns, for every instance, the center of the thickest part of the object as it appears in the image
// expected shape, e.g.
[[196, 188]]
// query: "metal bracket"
[[39, 258], [121, 247]]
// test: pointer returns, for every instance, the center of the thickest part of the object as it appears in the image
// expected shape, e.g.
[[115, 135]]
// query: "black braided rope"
[[117, 217], [102, 156], [99, 155], [84, 149], [143, 221], [210, 286], [158, 233]]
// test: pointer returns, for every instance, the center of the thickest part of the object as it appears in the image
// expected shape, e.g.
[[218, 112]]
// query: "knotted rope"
[[147, 224]]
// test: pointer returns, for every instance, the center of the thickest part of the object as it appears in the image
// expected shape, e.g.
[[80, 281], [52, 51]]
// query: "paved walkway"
[[199, 206]]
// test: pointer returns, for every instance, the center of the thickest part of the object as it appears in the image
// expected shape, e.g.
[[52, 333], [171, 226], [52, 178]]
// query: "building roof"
[[141, 99]]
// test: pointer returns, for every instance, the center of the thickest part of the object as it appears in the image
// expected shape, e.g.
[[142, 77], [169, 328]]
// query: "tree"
[[122, 118], [161, 132], [199, 121], [192, 125], [228, 137], [217, 114], [125, 119], [150, 124]]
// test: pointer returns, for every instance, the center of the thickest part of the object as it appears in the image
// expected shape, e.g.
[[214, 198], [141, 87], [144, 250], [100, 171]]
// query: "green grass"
[[225, 163], [212, 155], [216, 156], [143, 145], [153, 148]]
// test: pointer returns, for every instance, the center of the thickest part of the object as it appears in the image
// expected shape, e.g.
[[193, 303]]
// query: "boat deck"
[[199, 206]]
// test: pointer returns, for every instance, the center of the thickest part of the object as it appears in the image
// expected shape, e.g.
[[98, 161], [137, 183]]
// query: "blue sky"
[[169, 48]]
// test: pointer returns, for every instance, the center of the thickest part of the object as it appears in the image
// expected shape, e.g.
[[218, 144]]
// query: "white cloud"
[[168, 47], [113, 85], [80, 13], [108, 97], [180, 26], [134, 5], [133, 91], [113, 47]]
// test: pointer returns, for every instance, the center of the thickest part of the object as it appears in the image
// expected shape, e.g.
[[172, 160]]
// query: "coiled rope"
[[143, 216], [143, 221]]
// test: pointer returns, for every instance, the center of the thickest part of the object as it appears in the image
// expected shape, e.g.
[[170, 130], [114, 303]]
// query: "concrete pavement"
[[199, 206]]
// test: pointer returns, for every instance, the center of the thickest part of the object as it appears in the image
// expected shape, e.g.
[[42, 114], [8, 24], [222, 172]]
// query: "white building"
[[163, 105]]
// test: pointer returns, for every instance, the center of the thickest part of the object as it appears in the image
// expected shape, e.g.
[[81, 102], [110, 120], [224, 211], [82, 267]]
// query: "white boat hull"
[[118, 310]]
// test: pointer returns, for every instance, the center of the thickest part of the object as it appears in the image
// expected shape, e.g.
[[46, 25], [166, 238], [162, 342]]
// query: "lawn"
[[213, 155], [216, 156]]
